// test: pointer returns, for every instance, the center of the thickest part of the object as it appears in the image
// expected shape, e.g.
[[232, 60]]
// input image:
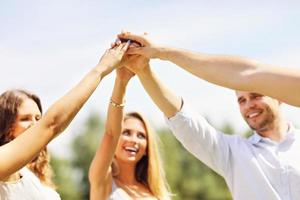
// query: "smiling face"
[[28, 114], [259, 111], [132, 144]]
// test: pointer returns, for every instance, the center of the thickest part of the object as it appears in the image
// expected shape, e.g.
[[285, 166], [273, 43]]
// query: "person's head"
[[19, 110], [262, 113], [138, 145]]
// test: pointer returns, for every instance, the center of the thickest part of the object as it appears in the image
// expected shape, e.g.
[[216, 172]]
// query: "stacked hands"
[[129, 55]]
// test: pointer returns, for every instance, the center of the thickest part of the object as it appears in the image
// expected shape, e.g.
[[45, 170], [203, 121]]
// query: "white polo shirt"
[[254, 169]]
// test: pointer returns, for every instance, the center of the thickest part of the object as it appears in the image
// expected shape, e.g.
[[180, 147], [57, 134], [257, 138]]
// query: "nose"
[[250, 104], [33, 122], [133, 138]]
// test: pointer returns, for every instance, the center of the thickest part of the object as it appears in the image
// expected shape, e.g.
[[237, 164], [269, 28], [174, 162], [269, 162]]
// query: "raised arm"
[[166, 100], [229, 71], [19, 152], [100, 176], [190, 128]]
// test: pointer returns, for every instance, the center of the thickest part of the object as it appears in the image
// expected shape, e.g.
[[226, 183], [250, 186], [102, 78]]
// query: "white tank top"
[[28, 187], [116, 193]]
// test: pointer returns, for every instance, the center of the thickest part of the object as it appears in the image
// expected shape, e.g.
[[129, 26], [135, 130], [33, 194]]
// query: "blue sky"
[[48, 46]]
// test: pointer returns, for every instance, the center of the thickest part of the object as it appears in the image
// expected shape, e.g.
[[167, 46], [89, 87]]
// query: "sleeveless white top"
[[116, 193], [28, 187]]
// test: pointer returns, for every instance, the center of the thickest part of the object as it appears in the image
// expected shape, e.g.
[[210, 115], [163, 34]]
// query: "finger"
[[113, 45], [133, 37], [133, 57], [125, 46], [118, 41], [135, 51]]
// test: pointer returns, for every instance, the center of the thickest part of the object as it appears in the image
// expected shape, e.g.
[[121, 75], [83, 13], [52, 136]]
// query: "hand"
[[135, 63], [148, 49], [124, 74], [126, 57], [112, 57]]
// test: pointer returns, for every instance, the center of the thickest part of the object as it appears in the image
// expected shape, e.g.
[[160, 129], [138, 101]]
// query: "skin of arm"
[[233, 72], [19, 152], [100, 175], [166, 100]]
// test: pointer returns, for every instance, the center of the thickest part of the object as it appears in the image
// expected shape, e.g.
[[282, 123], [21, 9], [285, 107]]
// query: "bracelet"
[[116, 105]]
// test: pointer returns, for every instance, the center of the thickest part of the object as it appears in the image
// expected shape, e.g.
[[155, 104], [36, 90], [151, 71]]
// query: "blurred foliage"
[[188, 178], [64, 179]]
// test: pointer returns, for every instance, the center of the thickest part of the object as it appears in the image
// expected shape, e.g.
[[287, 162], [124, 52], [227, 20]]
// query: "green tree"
[[188, 177], [64, 179], [84, 147]]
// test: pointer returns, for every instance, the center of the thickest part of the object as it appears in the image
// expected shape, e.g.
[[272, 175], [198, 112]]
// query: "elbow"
[[54, 125], [91, 174]]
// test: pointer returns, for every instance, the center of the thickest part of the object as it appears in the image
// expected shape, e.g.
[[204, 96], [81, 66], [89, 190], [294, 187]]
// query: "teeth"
[[253, 114], [131, 149]]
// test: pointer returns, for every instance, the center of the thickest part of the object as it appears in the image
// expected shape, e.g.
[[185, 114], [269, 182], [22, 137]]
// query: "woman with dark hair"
[[127, 164], [24, 163]]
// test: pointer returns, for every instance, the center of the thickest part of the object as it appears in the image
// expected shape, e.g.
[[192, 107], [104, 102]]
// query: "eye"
[[257, 96], [37, 118], [25, 118], [141, 136], [241, 100], [126, 132]]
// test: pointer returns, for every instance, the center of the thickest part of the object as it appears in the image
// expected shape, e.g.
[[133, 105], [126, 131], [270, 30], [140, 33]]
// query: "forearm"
[[238, 73], [61, 113], [227, 71], [167, 101], [98, 173], [115, 114]]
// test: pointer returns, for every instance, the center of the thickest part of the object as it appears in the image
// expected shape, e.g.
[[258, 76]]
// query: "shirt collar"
[[256, 138]]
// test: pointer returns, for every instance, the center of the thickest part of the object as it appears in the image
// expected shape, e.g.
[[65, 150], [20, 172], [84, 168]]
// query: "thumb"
[[136, 50]]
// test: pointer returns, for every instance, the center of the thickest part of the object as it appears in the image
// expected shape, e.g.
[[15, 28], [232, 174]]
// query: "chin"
[[130, 159]]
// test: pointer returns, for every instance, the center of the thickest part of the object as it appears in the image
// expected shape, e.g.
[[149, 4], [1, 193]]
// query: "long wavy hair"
[[10, 101], [149, 170]]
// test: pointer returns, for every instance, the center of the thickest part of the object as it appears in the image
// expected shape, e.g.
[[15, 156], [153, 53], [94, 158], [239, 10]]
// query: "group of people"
[[127, 164]]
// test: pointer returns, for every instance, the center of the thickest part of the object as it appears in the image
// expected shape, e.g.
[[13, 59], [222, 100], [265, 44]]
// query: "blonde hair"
[[149, 170]]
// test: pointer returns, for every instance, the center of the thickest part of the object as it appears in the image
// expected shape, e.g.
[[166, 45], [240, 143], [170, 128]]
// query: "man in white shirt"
[[267, 165]]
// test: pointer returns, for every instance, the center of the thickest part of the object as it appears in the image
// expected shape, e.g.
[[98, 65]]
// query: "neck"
[[277, 132], [12, 178], [127, 173]]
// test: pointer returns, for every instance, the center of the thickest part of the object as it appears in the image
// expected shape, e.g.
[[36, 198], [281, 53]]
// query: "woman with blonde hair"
[[127, 164], [24, 165]]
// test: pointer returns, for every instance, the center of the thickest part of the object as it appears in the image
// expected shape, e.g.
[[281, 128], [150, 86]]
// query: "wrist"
[[102, 70], [161, 52], [116, 104], [145, 71], [121, 81]]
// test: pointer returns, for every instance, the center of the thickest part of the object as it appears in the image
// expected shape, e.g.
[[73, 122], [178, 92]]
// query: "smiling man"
[[263, 115]]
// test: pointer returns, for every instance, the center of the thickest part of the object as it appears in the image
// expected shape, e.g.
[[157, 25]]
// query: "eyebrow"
[[26, 115], [240, 98]]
